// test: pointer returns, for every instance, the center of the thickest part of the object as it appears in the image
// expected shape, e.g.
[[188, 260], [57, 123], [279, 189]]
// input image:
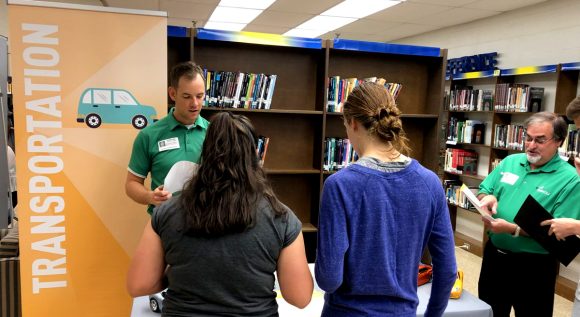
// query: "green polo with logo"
[[556, 186], [150, 153]]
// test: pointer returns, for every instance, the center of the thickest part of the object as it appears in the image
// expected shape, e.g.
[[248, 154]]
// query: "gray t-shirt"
[[227, 276]]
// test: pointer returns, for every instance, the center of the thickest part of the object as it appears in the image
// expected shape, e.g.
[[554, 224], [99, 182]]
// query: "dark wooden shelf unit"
[[298, 122]]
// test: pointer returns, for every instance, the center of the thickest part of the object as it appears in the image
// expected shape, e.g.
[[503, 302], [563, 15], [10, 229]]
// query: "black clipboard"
[[529, 217]]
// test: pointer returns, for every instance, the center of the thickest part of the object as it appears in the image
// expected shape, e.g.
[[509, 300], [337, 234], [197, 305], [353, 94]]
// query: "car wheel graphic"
[[139, 122], [93, 120], [154, 305]]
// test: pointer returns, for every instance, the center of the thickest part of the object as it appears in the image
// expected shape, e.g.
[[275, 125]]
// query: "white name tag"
[[509, 178], [168, 144]]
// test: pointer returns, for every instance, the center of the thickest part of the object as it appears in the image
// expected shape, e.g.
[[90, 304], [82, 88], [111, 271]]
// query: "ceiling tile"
[[365, 26], [304, 6], [455, 16], [407, 12], [213, 2], [97, 3], [184, 22], [266, 29], [501, 5], [281, 19], [343, 35], [135, 4], [450, 3], [408, 30], [186, 10]]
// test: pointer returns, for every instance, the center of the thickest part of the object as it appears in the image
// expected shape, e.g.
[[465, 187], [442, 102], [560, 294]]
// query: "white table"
[[466, 306]]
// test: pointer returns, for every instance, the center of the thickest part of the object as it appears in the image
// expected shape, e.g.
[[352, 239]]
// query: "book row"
[[494, 163], [465, 98], [509, 136], [468, 131], [455, 196], [238, 90], [571, 146], [459, 161], [518, 98], [338, 154], [262, 149], [339, 89]]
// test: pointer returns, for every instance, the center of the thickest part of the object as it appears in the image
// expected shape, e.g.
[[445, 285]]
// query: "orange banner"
[[85, 81]]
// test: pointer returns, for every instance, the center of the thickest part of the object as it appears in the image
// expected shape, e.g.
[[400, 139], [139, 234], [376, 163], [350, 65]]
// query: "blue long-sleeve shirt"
[[372, 231]]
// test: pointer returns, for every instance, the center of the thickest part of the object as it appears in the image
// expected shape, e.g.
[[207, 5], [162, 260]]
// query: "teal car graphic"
[[99, 106]]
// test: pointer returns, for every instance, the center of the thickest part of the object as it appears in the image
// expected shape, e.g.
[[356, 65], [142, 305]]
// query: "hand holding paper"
[[476, 203], [489, 204]]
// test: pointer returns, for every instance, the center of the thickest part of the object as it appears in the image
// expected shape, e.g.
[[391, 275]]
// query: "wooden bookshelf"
[[298, 122], [566, 91], [506, 149], [467, 111]]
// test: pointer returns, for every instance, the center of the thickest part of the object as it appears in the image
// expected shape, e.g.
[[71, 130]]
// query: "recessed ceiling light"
[[324, 23], [248, 4], [358, 8], [304, 33], [224, 26], [234, 15]]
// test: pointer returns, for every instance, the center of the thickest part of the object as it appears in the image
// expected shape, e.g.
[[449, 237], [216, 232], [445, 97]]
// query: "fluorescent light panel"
[[304, 33], [248, 4], [323, 23], [234, 15], [224, 26], [358, 8]]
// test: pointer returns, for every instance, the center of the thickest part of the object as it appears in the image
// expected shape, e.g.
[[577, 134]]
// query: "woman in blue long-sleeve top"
[[377, 217]]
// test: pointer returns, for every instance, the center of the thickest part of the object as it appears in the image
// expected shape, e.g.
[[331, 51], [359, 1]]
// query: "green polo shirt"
[[556, 186], [159, 146]]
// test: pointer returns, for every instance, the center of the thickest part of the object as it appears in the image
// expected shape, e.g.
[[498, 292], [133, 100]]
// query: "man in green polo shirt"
[[177, 137], [516, 271]]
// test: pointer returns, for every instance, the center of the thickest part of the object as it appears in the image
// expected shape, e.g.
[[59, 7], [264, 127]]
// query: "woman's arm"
[[146, 273]]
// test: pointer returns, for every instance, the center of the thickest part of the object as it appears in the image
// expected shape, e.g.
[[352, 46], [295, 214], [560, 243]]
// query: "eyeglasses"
[[538, 141]]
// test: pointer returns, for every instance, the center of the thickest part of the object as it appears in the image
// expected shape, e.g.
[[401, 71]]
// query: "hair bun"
[[386, 111]]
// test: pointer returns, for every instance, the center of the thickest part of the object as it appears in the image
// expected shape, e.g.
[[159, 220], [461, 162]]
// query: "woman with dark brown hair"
[[377, 217], [223, 238]]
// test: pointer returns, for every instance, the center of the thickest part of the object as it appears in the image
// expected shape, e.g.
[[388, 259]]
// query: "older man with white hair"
[[517, 271]]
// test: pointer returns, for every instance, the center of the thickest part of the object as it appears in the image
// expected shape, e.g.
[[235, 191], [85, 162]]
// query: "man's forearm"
[[139, 193], [480, 196]]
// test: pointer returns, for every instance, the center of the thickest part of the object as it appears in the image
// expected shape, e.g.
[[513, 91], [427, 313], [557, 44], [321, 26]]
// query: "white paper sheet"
[[179, 174], [469, 194]]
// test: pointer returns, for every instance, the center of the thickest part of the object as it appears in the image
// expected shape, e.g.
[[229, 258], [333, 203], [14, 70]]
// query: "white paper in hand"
[[469, 194], [178, 175]]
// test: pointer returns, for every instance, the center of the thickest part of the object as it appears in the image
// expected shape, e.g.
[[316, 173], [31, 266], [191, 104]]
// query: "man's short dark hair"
[[188, 69], [573, 109], [559, 126]]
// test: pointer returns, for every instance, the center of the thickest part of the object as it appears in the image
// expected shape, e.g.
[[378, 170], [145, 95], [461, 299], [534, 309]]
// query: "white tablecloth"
[[466, 306]]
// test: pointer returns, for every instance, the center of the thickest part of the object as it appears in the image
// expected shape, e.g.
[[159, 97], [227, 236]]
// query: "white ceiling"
[[406, 19]]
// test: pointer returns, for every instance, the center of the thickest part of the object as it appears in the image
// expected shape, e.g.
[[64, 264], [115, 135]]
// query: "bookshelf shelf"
[[465, 111], [308, 227], [515, 113], [329, 172], [472, 144], [404, 115], [263, 110], [478, 177], [291, 171], [455, 205], [506, 149]]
